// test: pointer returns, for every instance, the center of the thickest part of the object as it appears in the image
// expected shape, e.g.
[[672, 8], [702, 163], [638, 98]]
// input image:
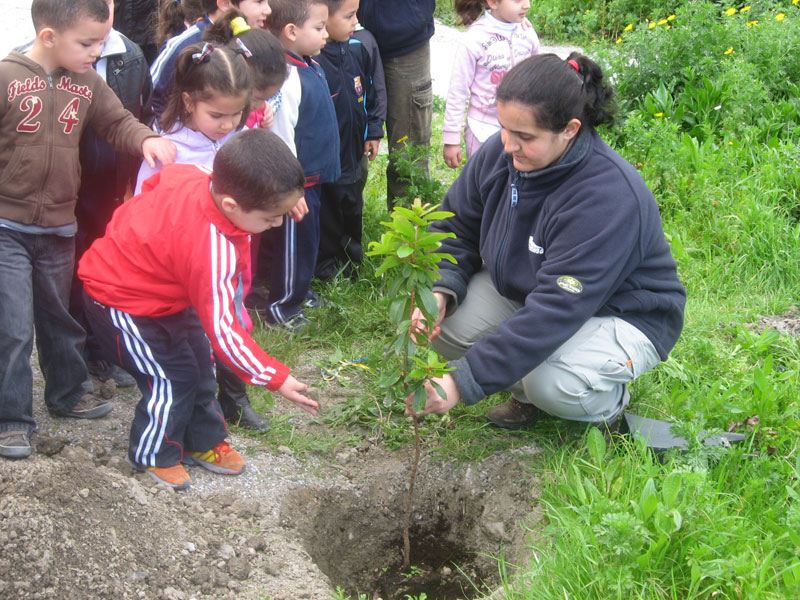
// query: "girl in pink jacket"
[[495, 42]]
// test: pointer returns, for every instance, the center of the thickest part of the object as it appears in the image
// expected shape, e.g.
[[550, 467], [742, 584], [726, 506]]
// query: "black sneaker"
[[257, 303], [15, 444], [104, 370], [296, 323], [313, 300], [89, 407]]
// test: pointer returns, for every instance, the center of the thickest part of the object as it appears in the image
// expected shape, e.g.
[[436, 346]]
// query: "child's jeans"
[[170, 358], [35, 278], [294, 258]]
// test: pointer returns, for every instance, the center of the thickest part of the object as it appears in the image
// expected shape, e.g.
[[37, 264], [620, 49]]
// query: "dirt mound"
[[78, 522]]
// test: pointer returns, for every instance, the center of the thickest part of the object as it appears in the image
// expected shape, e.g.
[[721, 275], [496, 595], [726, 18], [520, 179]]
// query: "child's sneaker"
[[220, 459], [89, 407], [175, 476]]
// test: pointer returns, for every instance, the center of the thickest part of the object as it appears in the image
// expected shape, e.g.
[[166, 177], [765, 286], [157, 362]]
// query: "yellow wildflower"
[[669, 27], [652, 25], [728, 51], [619, 41], [780, 16], [730, 12], [402, 139], [629, 26], [752, 23], [658, 114], [671, 18], [745, 9], [794, 2], [662, 22]]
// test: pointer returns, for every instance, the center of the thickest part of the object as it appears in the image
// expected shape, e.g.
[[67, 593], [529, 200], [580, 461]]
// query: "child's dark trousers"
[[170, 358]]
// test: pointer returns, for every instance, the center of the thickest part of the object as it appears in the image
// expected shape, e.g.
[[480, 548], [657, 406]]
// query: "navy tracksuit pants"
[[170, 358], [294, 257]]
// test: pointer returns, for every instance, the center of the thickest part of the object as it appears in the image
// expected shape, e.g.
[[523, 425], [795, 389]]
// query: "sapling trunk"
[[410, 265]]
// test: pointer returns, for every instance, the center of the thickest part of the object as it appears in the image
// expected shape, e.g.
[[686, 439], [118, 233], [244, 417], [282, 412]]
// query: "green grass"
[[619, 523]]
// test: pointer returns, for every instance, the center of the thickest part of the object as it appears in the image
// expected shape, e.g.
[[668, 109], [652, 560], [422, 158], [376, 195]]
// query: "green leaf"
[[429, 304], [405, 251], [648, 500], [677, 518], [398, 309], [670, 489], [597, 446], [439, 389], [420, 398]]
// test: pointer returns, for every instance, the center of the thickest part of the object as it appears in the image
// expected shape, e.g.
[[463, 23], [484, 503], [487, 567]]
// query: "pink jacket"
[[488, 49]]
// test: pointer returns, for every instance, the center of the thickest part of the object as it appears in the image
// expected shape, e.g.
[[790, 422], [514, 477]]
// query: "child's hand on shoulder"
[[452, 155], [158, 148], [293, 390], [371, 148]]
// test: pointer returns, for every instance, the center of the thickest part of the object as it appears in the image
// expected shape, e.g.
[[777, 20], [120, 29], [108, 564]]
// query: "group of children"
[[164, 288]]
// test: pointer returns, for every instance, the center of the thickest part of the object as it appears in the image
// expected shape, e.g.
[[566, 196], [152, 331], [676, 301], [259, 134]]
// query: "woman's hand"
[[419, 323], [435, 403], [293, 390], [452, 155]]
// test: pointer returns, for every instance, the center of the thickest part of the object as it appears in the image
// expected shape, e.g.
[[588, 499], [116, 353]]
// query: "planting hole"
[[462, 519]]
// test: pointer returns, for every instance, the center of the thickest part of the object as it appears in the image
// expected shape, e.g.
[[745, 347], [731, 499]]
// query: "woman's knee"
[[570, 395]]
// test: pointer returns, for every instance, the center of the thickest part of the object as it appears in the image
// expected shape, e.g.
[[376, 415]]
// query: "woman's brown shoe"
[[513, 415]]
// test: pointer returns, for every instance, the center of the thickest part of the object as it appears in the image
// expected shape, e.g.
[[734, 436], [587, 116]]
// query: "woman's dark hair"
[[469, 10], [203, 71], [557, 92], [256, 184], [267, 58]]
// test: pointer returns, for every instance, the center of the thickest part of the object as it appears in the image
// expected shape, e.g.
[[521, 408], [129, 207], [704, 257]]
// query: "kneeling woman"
[[565, 289]]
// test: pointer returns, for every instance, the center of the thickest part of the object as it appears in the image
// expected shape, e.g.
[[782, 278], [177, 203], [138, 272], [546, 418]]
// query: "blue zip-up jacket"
[[316, 134], [578, 239], [348, 69], [400, 26], [163, 68]]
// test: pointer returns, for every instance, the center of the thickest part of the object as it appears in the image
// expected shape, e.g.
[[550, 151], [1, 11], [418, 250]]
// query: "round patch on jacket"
[[569, 284]]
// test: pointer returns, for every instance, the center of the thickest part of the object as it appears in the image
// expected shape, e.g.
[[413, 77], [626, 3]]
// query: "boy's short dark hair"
[[64, 14], [257, 169], [289, 11], [333, 5]]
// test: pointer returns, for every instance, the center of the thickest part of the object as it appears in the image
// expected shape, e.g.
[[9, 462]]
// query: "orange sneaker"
[[175, 476], [220, 459]]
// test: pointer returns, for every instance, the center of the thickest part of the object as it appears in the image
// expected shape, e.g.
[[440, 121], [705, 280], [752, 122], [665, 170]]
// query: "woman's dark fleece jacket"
[[579, 239]]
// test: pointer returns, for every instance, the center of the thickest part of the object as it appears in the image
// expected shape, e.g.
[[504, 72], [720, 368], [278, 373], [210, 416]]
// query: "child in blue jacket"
[[349, 69]]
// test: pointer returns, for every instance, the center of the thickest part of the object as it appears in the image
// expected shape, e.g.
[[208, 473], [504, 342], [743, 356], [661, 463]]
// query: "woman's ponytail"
[[560, 90]]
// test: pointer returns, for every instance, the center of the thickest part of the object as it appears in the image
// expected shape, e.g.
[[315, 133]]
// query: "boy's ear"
[[290, 31], [229, 205], [223, 4], [47, 36]]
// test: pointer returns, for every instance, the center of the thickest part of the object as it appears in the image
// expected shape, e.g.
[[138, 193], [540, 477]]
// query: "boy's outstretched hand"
[[158, 148], [293, 390]]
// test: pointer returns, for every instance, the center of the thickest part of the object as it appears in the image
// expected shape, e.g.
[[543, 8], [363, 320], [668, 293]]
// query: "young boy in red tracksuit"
[[166, 279]]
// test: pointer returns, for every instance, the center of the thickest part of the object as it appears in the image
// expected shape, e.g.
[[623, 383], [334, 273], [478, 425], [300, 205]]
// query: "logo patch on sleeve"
[[569, 284]]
